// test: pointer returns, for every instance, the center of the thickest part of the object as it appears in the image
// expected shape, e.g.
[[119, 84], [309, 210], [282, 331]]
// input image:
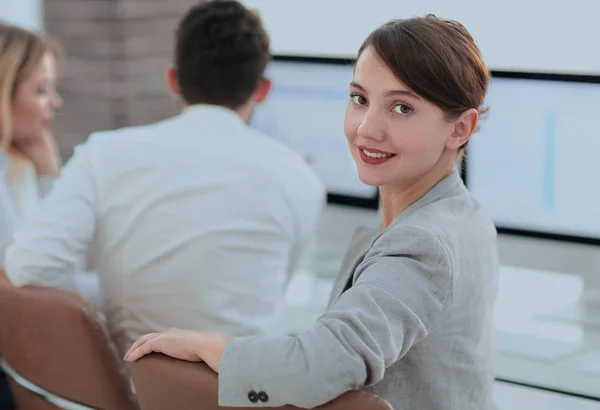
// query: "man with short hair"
[[197, 221]]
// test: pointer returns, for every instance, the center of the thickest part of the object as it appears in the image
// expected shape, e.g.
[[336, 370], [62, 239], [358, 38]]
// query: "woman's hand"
[[183, 345], [43, 153]]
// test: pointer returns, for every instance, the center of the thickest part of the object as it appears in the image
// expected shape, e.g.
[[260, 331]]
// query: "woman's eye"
[[402, 109], [358, 99]]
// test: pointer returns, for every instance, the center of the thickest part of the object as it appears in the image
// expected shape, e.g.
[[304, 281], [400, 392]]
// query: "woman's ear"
[[464, 127]]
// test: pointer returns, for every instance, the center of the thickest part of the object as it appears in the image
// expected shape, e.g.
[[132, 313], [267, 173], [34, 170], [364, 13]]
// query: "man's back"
[[194, 222], [199, 223]]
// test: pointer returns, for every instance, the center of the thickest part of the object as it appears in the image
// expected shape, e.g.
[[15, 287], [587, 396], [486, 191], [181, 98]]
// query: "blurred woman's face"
[[35, 103]]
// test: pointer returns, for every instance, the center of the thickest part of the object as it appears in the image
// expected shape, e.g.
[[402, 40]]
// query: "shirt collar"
[[224, 120]]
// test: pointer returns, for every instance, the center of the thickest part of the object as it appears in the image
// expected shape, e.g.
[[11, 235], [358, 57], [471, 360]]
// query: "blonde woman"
[[29, 160]]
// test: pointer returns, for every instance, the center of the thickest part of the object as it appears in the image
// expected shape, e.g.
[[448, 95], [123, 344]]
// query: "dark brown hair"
[[221, 53], [436, 58]]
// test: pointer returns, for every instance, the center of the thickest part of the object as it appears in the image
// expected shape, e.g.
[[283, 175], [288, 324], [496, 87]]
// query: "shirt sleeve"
[[45, 183], [399, 294], [48, 249], [310, 210]]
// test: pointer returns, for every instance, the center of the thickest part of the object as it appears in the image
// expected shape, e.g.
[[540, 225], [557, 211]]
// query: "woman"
[[28, 156], [29, 160], [28, 101], [410, 316]]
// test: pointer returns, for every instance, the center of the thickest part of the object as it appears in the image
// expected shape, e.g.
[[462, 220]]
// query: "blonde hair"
[[21, 52]]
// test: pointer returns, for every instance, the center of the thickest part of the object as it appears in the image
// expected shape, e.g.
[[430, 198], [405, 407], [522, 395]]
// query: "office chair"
[[57, 352], [164, 383]]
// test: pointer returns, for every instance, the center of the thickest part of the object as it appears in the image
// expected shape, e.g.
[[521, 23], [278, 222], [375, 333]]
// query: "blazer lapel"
[[360, 244], [364, 237]]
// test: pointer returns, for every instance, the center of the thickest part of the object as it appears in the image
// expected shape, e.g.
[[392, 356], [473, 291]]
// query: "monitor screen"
[[305, 111], [534, 164]]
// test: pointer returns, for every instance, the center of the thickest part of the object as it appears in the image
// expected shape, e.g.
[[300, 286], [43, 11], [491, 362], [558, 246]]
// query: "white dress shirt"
[[197, 222], [14, 210]]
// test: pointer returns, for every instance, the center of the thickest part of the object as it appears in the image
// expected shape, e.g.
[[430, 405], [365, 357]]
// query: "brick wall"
[[113, 71]]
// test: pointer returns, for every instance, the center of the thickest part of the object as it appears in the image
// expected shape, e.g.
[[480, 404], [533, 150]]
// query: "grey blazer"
[[410, 318]]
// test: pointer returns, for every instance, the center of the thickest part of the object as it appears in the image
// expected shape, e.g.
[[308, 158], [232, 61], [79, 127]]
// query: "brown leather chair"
[[56, 349], [163, 383]]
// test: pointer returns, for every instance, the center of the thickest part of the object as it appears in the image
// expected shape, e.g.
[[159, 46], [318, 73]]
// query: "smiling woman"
[[410, 315], [413, 109]]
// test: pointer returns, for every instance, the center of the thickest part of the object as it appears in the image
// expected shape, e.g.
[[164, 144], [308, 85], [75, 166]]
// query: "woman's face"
[[35, 103], [396, 136]]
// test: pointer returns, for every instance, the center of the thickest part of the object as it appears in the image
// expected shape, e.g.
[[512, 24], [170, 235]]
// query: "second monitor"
[[534, 165]]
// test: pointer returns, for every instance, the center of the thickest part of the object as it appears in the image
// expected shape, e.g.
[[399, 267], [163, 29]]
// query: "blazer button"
[[253, 396], [262, 396]]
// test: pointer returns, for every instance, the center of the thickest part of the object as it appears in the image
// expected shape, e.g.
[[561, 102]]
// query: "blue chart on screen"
[[550, 162], [534, 165]]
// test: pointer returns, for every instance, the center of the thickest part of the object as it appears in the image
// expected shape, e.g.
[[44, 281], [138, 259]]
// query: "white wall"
[[528, 35], [513, 34], [26, 13]]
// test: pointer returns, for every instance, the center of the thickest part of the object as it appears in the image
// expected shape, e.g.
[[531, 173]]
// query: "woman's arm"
[[399, 295]]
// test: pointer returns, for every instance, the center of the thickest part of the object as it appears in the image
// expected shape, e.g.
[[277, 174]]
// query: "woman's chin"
[[372, 180]]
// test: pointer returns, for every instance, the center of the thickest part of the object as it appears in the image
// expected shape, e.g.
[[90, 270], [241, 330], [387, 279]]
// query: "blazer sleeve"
[[401, 289]]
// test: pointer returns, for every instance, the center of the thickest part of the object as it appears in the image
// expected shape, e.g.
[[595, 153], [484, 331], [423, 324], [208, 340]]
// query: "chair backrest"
[[163, 383], [52, 341]]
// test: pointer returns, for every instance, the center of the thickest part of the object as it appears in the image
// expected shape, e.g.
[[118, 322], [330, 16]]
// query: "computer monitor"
[[534, 167], [305, 110], [534, 163]]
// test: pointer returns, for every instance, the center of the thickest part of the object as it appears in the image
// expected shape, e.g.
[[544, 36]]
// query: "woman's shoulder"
[[447, 225]]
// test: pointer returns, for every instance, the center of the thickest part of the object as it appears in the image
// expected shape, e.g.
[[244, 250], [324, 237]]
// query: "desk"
[[524, 295], [510, 397]]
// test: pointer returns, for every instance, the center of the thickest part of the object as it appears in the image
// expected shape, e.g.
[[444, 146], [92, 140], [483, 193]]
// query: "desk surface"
[[525, 300], [525, 296], [510, 397]]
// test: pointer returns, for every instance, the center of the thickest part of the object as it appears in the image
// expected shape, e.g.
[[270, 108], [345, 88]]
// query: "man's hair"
[[221, 53]]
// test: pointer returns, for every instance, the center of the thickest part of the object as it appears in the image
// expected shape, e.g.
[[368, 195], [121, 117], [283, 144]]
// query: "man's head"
[[221, 53]]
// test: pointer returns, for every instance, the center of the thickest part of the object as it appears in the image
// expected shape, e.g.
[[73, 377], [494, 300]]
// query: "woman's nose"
[[371, 127], [57, 101]]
